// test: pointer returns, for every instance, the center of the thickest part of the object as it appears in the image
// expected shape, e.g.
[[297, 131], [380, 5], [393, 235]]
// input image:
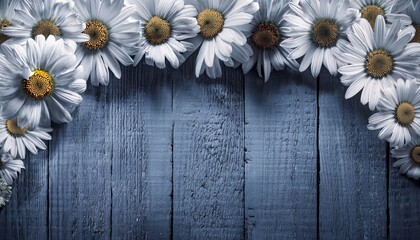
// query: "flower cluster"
[[49, 49]]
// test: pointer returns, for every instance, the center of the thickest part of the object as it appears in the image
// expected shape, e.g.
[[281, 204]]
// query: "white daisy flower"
[[313, 28], [413, 10], [7, 12], [374, 60], [71, 2], [408, 158], [391, 10], [221, 38], [16, 140], [46, 17], [114, 36], [10, 167], [265, 37], [5, 192], [166, 24], [398, 114], [51, 85]]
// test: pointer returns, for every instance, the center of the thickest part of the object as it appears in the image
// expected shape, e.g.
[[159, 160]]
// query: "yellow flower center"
[[415, 154], [4, 23], [379, 63], [46, 28], [98, 34], [265, 36], [39, 85], [157, 30], [325, 32], [370, 12], [405, 113], [416, 38], [13, 129], [211, 23]]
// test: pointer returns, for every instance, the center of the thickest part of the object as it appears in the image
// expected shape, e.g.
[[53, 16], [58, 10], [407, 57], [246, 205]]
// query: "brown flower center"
[[13, 129], [157, 30], [265, 36], [416, 38], [379, 63], [39, 85], [98, 34], [4, 23], [211, 23], [46, 28], [405, 113], [415, 154], [370, 12], [325, 32]]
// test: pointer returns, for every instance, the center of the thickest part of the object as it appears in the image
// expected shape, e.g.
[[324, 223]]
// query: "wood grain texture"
[[353, 168], [140, 135], [281, 157], [208, 156], [26, 215], [80, 172], [404, 206], [163, 155]]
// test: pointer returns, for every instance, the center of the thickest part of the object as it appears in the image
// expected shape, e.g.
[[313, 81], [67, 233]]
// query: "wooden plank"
[[26, 215], [208, 155], [281, 156], [80, 172], [353, 168], [404, 205], [140, 133]]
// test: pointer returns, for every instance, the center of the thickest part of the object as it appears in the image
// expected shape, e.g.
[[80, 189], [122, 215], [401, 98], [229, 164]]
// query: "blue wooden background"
[[162, 155]]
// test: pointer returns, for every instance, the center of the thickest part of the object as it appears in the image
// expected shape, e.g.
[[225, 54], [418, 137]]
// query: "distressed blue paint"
[[26, 215], [353, 173], [208, 156], [404, 206], [140, 137], [281, 157], [160, 154], [80, 173]]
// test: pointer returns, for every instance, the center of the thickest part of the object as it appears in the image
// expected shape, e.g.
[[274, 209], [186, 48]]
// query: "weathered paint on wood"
[[162, 155], [140, 137], [26, 215], [353, 168], [281, 157], [80, 172], [208, 156], [404, 206]]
